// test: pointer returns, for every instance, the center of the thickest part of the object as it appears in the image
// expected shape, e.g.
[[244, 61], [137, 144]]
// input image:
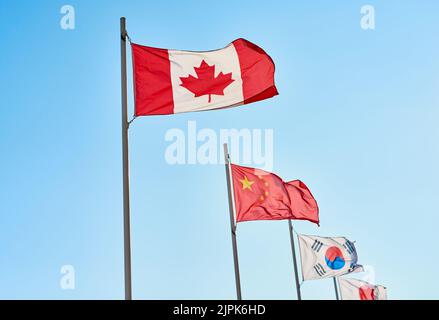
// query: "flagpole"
[[125, 159], [293, 250], [232, 223], [336, 288]]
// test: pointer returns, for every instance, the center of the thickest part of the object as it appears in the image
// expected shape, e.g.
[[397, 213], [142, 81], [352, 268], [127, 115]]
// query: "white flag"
[[324, 257], [353, 289]]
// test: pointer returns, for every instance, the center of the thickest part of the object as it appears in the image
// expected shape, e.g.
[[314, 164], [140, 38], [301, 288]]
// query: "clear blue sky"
[[356, 120]]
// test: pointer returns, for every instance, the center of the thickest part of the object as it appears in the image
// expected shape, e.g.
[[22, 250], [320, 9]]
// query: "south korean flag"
[[325, 257]]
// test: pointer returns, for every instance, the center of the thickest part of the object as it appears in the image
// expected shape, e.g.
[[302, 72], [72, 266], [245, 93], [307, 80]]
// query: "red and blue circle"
[[334, 258]]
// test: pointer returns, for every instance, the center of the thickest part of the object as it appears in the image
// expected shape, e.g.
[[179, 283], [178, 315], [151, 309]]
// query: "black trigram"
[[317, 245], [349, 247], [319, 269]]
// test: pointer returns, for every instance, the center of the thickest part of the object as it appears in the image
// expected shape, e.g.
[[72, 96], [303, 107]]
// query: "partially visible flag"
[[353, 289], [260, 195], [173, 81], [324, 257]]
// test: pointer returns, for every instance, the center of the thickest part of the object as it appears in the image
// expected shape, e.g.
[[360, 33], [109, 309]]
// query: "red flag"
[[260, 195], [173, 81]]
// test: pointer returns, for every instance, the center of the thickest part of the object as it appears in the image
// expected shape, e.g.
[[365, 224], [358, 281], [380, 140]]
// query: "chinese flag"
[[260, 195]]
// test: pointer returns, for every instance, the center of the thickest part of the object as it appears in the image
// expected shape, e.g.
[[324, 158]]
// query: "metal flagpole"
[[293, 250], [336, 288], [126, 182], [232, 223]]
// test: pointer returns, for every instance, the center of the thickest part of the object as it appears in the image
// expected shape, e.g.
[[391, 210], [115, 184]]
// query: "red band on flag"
[[257, 71], [152, 81]]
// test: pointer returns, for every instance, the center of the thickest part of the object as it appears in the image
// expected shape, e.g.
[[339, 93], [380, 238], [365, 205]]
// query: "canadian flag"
[[173, 81], [353, 289]]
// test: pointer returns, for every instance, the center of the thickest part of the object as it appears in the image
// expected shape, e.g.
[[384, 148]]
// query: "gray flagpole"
[[336, 288], [125, 159], [293, 250], [232, 223]]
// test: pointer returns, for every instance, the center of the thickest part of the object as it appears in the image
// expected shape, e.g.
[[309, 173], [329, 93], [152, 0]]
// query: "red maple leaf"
[[206, 83]]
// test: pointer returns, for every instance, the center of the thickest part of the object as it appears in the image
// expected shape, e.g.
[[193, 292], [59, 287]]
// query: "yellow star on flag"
[[246, 184]]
